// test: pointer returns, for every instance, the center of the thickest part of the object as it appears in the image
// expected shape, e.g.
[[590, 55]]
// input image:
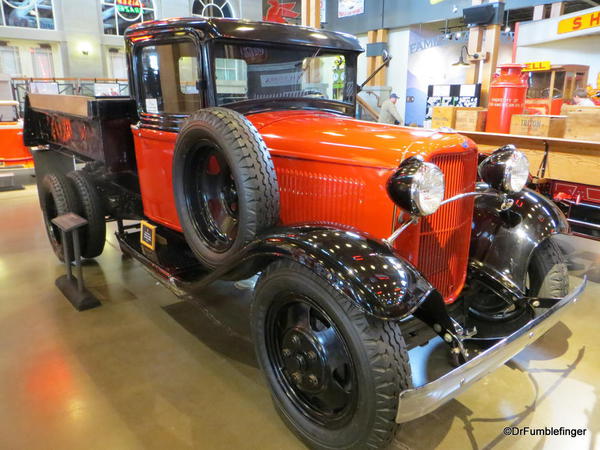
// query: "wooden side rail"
[[567, 160]]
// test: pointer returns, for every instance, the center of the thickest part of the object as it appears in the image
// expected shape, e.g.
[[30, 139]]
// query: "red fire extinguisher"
[[507, 97]]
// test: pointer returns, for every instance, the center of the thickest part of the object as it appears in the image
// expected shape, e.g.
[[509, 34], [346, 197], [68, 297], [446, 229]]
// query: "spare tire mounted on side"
[[224, 184]]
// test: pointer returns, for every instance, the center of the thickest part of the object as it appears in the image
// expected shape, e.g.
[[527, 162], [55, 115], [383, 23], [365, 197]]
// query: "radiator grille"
[[319, 198], [445, 235]]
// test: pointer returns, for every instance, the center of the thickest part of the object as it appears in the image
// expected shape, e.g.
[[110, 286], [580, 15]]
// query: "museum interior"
[[287, 224]]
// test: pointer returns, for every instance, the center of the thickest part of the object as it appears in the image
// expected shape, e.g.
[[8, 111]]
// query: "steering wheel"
[[556, 93]]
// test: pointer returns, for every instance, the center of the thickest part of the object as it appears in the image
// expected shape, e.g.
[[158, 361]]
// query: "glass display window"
[[10, 62], [212, 8], [28, 14], [117, 15]]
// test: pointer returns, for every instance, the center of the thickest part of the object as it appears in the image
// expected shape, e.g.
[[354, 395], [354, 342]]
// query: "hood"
[[335, 138]]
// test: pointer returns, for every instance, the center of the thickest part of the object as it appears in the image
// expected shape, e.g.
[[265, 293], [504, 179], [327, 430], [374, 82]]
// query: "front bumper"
[[417, 402]]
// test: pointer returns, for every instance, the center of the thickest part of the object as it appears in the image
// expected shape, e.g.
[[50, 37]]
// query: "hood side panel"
[[341, 139]]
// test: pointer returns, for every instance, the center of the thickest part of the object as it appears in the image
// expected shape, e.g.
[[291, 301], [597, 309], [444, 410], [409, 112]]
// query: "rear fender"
[[502, 242], [376, 279]]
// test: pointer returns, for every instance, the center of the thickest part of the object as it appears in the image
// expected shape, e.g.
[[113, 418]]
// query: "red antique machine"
[[551, 86], [13, 154], [507, 97]]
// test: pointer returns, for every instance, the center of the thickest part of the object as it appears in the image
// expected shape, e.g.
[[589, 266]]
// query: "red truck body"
[[327, 167]]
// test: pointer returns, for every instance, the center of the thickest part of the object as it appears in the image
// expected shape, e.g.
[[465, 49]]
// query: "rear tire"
[[57, 197], [372, 353], [93, 235], [224, 184]]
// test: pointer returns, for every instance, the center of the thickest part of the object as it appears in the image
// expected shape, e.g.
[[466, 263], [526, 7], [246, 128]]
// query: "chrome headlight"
[[507, 169], [417, 186]]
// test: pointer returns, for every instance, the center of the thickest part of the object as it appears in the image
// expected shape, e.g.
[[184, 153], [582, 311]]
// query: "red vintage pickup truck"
[[239, 154]]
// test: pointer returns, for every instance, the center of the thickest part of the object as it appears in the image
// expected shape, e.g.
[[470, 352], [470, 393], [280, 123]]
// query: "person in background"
[[389, 113], [580, 98]]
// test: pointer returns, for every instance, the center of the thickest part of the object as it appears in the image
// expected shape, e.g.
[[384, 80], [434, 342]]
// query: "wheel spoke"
[[334, 397], [298, 315], [228, 225], [337, 357]]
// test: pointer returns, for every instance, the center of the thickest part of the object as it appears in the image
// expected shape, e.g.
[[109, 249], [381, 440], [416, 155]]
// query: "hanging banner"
[[347, 8]]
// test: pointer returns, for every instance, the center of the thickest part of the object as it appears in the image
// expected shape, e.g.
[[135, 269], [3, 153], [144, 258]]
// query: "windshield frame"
[[282, 103]]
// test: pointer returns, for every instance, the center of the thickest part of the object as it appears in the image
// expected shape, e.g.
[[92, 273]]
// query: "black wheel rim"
[[213, 197], [311, 361]]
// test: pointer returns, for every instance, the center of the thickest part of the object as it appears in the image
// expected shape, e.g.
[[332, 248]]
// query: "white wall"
[[249, 9], [580, 50], [397, 71], [361, 67]]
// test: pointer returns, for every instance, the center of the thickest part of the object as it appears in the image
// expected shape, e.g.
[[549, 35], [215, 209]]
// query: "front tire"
[[548, 273], [335, 373]]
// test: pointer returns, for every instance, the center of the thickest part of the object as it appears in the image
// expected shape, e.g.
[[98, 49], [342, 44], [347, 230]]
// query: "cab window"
[[168, 78]]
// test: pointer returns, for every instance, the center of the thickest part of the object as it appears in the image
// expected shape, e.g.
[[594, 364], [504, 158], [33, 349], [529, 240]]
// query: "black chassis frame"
[[503, 239]]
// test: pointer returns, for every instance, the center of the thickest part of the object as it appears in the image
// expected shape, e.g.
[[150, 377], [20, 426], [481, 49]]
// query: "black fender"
[[502, 242], [367, 271]]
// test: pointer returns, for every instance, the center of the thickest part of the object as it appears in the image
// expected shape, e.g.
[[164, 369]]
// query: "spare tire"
[[93, 234], [57, 197], [224, 184]]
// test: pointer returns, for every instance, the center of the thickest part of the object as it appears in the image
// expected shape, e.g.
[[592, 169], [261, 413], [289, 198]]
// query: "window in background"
[[212, 8], [43, 65], [117, 15], [28, 14], [10, 62], [118, 64]]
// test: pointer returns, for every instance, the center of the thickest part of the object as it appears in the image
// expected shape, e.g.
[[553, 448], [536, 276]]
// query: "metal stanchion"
[[73, 287]]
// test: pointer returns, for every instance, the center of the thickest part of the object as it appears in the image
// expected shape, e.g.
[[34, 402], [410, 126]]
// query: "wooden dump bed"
[[93, 129]]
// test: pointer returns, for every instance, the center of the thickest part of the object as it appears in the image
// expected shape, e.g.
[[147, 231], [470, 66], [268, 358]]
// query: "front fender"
[[502, 242], [376, 279]]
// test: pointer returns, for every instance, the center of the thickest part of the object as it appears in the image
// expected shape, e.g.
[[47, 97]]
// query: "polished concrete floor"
[[146, 370]]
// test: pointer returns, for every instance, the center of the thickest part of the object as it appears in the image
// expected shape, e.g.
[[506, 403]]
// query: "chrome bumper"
[[417, 402]]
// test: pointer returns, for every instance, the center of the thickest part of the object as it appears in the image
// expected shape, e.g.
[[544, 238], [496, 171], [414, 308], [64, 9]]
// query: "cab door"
[[167, 75]]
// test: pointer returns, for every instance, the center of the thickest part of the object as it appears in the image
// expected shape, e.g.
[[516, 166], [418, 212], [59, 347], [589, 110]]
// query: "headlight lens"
[[417, 186], [507, 169], [517, 172], [429, 188]]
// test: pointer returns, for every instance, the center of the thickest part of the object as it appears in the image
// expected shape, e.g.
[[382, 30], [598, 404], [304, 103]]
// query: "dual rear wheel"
[[76, 193]]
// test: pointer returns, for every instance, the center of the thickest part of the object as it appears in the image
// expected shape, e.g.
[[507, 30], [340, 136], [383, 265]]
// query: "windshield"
[[252, 72]]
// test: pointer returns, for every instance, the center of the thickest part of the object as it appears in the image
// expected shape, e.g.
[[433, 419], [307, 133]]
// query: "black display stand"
[[73, 288]]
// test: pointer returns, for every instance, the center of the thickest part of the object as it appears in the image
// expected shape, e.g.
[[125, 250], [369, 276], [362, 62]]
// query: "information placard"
[[148, 235]]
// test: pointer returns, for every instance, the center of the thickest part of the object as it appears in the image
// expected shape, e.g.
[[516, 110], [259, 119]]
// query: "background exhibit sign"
[[347, 8], [282, 11], [583, 22]]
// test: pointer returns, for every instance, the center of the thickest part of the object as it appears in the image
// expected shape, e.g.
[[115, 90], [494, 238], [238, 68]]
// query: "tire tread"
[[386, 351]]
